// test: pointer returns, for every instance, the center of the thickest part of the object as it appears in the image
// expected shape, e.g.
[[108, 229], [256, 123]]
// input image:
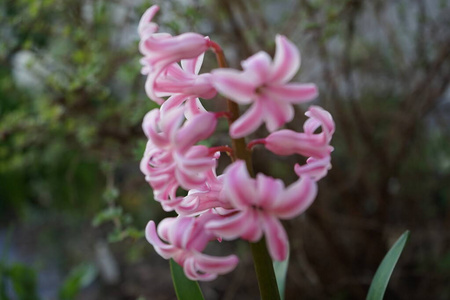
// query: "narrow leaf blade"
[[185, 288], [280, 268], [384, 271]]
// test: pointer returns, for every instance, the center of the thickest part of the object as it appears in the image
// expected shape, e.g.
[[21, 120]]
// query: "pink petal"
[[172, 102], [276, 114], [296, 198], [239, 188], [179, 230], [234, 84], [193, 65], [164, 227], [235, 226], [183, 46], [196, 129], [151, 128], [193, 107], [189, 208], [315, 168], [171, 122], [216, 265], [276, 238], [193, 86], [167, 197], [284, 142], [153, 74], [196, 159], [286, 61], [248, 122], [202, 87], [147, 27], [172, 203], [162, 50], [191, 271], [257, 67], [268, 190], [253, 231], [199, 236], [199, 203], [189, 180], [323, 117], [310, 125], [292, 92], [165, 250], [175, 72], [288, 142], [151, 56]]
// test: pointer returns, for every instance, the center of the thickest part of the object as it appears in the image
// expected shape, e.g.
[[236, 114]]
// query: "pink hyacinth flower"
[[319, 117], [308, 143], [158, 168], [184, 79], [171, 159], [184, 85], [170, 132], [264, 84], [160, 50], [316, 168], [185, 238], [204, 198], [260, 203]]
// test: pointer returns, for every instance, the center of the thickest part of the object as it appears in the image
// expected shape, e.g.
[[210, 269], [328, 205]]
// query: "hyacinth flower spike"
[[234, 204]]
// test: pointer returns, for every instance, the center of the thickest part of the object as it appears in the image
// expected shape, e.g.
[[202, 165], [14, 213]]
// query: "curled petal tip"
[[286, 61], [146, 26]]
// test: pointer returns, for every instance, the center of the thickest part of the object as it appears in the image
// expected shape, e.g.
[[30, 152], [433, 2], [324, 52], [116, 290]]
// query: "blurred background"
[[73, 203]]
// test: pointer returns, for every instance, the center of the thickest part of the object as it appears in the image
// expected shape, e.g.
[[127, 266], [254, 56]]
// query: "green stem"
[[267, 281], [265, 274]]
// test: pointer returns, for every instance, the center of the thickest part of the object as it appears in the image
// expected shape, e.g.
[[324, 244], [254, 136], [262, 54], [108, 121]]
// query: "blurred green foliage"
[[82, 106], [81, 276], [23, 280], [71, 107]]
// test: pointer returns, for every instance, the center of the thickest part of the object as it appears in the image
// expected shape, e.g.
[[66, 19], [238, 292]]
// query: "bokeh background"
[[73, 203]]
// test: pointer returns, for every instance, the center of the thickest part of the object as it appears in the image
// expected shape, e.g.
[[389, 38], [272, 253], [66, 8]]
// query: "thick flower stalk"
[[233, 204]]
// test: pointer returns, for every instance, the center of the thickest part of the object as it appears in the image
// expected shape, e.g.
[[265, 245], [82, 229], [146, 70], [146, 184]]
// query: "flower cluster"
[[232, 205]]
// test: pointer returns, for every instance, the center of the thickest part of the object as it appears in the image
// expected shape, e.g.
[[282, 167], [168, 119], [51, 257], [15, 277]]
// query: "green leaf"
[[280, 268], [24, 281], [3, 283], [108, 214], [80, 277], [383, 274], [133, 233], [185, 288]]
